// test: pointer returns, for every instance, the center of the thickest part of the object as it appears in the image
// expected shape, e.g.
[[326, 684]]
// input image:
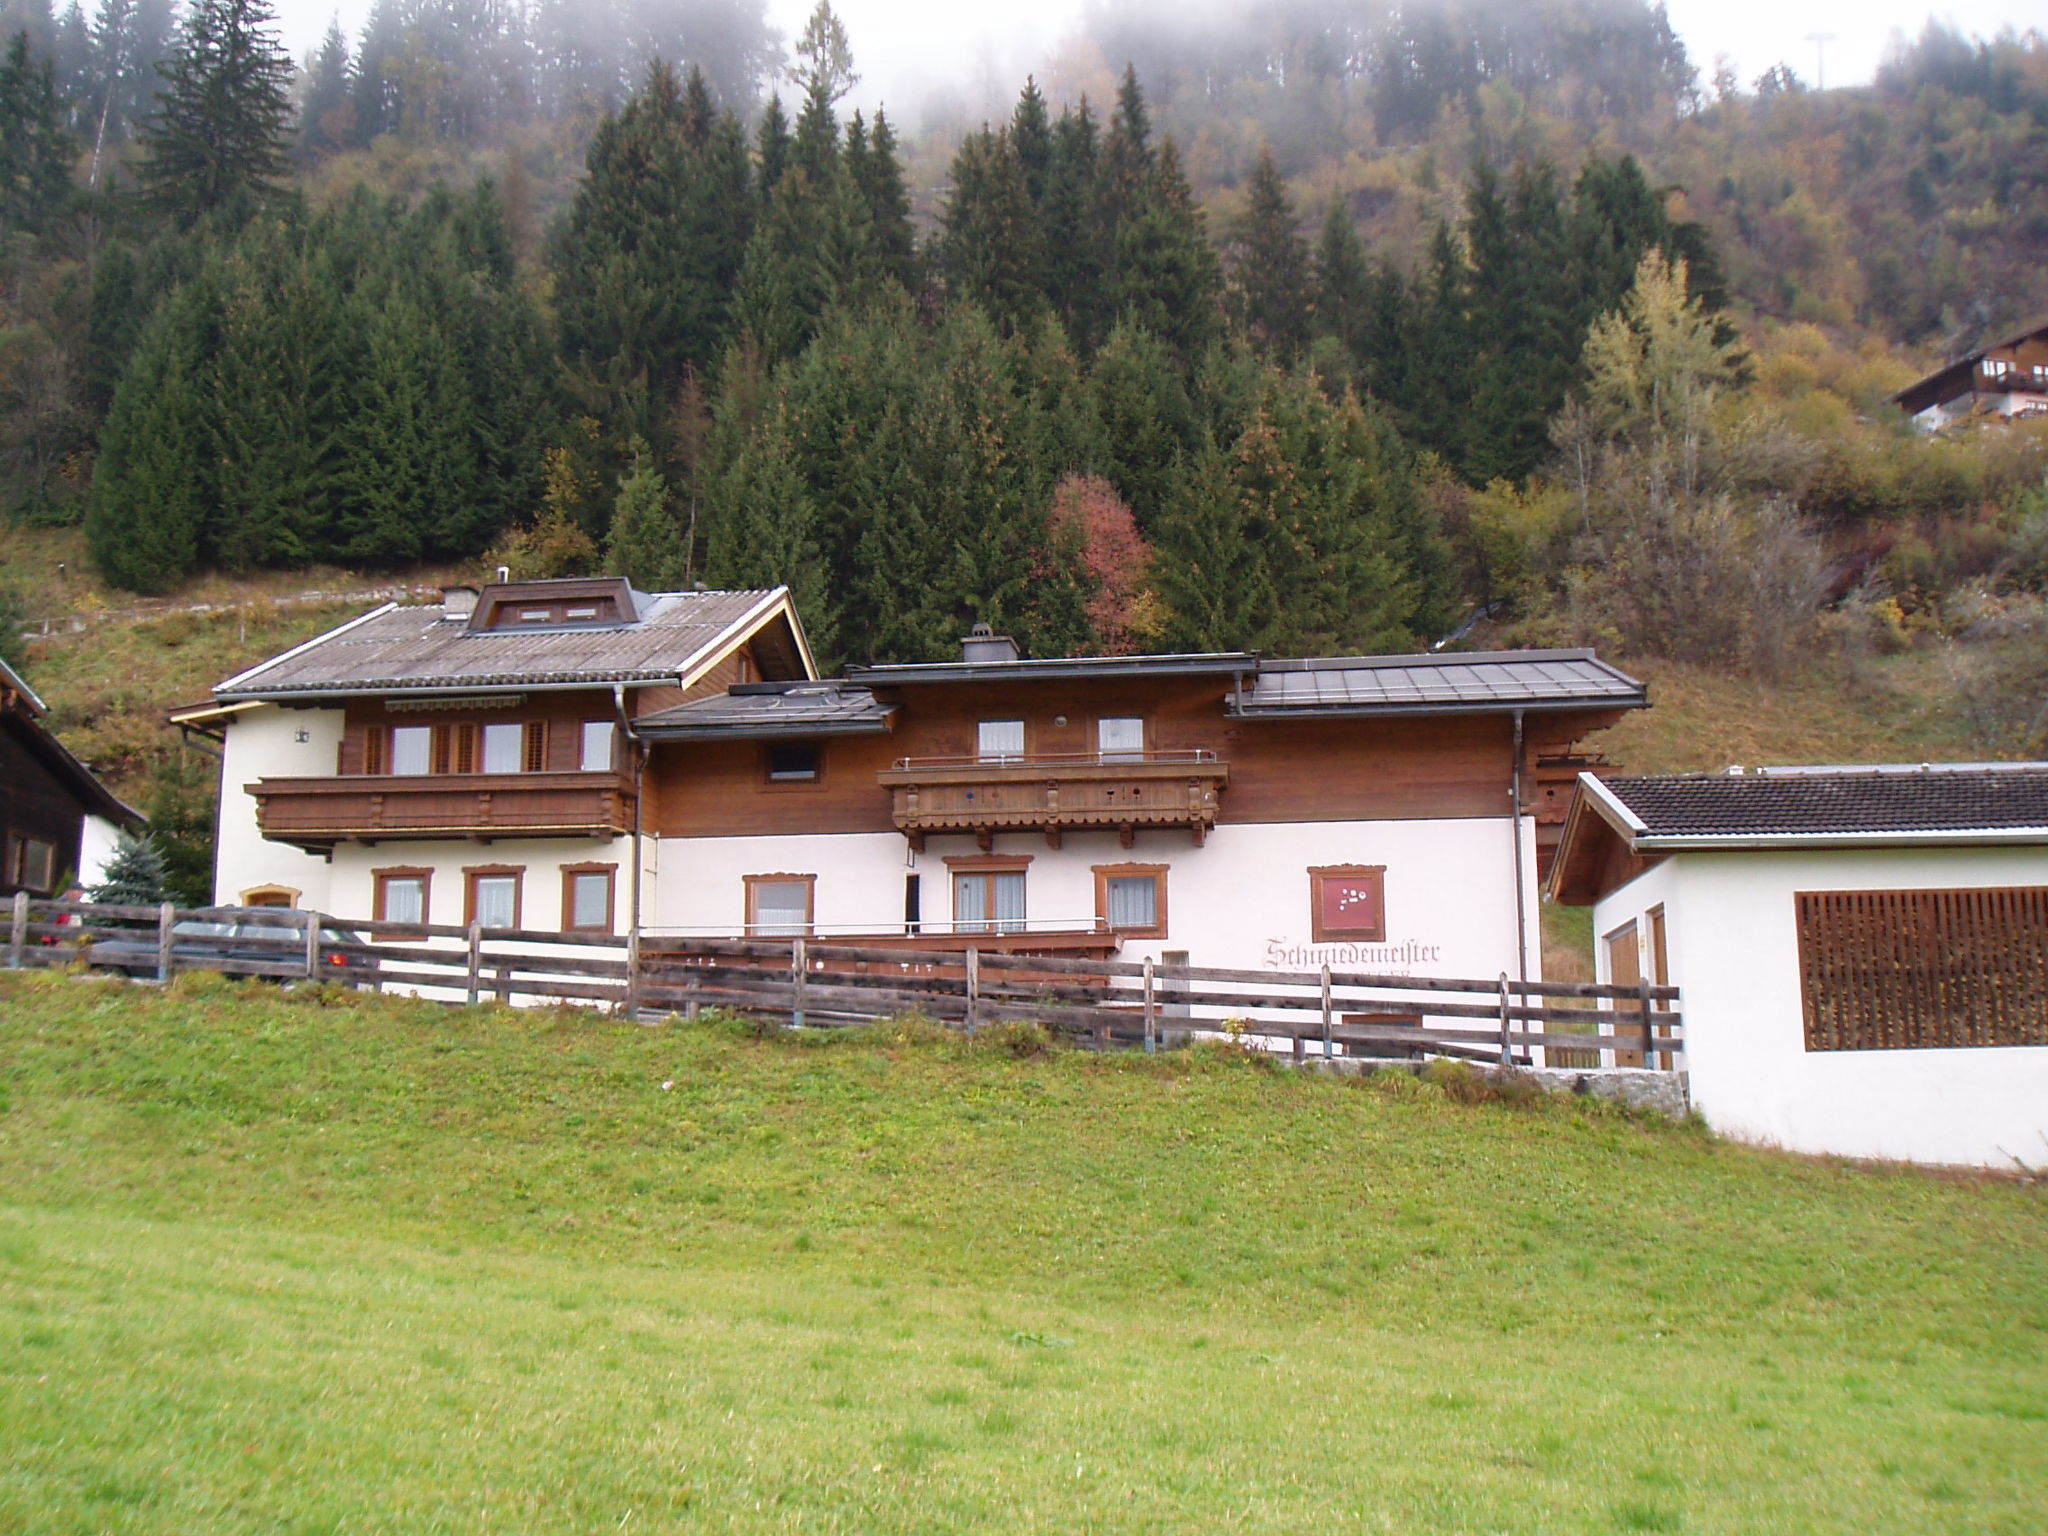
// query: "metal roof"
[[766, 710], [1439, 683], [1925, 803], [403, 648], [1221, 664]]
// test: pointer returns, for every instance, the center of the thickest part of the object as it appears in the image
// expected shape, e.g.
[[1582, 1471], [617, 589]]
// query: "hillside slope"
[[318, 1263]]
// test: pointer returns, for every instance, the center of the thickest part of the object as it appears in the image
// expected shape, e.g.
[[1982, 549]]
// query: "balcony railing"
[[1057, 793], [317, 813]]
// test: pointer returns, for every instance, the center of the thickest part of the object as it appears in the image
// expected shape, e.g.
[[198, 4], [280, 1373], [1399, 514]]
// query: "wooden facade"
[[46, 795]]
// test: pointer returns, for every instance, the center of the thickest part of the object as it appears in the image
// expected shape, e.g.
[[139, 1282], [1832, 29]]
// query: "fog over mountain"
[[966, 60]]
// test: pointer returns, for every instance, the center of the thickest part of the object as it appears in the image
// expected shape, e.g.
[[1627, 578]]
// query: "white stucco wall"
[[98, 838], [1734, 952], [263, 742], [1241, 900], [352, 883]]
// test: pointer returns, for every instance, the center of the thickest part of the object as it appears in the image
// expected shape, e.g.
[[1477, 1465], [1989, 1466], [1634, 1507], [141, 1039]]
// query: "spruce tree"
[[1031, 138], [764, 531], [771, 149], [1341, 309], [1165, 273], [35, 152], [879, 180], [1271, 264], [646, 543], [220, 133], [990, 250], [327, 112], [1075, 238], [133, 876]]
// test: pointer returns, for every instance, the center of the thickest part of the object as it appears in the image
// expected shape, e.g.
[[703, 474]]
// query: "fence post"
[[1649, 1032], [503, 990], [166, 915], [19, 937], [1507, 1056], [476, 960], [973, 986], [1151, 1012], [799, 963], [1329, 1040], [312, 945], [690, 989], [633, 973]]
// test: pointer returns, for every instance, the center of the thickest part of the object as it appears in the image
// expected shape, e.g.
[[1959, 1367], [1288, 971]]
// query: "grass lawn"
[[310, 1264]]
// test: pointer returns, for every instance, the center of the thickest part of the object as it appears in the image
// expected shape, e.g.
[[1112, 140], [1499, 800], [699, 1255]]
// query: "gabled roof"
[[764, 710], [427, 648], [1932, 388], [1618, 827], [1439, 683], [22, 712]]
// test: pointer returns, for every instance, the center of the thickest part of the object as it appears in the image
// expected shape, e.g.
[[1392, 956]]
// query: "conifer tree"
[[645, 543], [151, 491], [134, 874], [1165, 273], [771, 149], [35, 153], [1031, 138], [879, 180], [327, 112], [220, 133], [1342, 307], [1137, 394], [990, 249], [1271, 264], [1075, 240], [764, 533]]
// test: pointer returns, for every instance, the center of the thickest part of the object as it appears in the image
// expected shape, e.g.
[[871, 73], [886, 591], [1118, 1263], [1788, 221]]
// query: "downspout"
[[1521, 904], [639, 750]]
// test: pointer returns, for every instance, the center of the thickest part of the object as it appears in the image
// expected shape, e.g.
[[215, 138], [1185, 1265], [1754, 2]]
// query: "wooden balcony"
[[1057, 794], [317, 813]]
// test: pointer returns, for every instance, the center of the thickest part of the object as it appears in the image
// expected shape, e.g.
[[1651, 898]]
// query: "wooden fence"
[[1104, 1002]]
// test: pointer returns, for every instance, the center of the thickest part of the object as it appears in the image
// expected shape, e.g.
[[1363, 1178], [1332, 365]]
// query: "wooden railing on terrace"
[[1103, 1002]]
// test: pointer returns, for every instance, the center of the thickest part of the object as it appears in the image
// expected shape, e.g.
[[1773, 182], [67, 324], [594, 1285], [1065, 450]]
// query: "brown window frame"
[[815, 781], [381, 877], [611, 897], [471, 873], [808, 882], [17, 864], [259, 896], [987, 864], [1326, 933], [1104, 873]]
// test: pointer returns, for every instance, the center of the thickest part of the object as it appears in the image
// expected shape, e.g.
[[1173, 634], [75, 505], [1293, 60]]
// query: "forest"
[[1327, 328]]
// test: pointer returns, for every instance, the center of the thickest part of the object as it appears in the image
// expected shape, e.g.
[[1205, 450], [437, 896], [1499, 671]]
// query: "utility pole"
[[1820, 41]]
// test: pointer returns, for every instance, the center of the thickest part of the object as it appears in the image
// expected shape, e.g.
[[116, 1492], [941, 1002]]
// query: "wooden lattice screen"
[[1895, 970]]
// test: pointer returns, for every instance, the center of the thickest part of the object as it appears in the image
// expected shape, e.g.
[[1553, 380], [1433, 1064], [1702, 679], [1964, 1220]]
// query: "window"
[[779, 905], [493, 895], [794, 762], [536, 615], [988, 893], [583, 615], [596, 756], [412, 749], [504, 747], [34, 865], [1904, 970], [270, 896], [587, 896], [1120, 740], [1131, 899], [999, 740], [913, 903], [1348, 902], [401, 895]]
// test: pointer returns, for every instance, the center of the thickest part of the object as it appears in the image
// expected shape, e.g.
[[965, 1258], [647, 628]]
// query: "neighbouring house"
[[58, 823], [1863, 952], [2006, 380], [503, 755]]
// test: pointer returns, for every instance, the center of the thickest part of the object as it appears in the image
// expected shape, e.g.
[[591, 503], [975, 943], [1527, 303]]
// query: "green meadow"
[[313, 1263]]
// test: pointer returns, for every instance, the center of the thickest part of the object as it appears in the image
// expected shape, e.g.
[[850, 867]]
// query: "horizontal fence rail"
[[1102, 1002]]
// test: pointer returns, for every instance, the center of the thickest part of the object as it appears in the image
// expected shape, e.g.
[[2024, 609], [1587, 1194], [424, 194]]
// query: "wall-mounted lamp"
[[302, 737]]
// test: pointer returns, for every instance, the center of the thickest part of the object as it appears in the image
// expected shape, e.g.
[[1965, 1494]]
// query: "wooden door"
[[1624, 969]]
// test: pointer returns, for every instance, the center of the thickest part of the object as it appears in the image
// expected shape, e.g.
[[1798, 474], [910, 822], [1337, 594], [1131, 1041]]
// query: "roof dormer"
[[596, 602]]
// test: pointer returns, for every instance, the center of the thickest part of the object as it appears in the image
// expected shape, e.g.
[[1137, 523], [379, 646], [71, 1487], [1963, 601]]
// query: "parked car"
[[276, 934]]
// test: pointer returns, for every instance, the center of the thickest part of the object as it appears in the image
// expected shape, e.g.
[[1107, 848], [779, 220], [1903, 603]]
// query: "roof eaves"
[[20, 685], [220, 690], [1699, 842]]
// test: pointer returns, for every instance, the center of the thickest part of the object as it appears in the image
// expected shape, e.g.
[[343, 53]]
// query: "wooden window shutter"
[[376, 739], [465, 747], [439, 761], [536, 746]]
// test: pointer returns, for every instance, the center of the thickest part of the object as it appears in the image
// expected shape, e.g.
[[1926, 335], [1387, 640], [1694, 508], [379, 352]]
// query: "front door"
[[1624, 969]]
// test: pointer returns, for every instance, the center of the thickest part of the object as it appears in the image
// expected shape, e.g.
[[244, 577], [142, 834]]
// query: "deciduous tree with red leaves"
[[1093, 531]]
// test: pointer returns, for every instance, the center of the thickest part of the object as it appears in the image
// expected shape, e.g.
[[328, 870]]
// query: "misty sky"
[[981, 49]]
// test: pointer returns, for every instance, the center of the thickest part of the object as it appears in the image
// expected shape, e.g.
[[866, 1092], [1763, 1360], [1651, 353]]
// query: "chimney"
[[458, 602], [979, 645]]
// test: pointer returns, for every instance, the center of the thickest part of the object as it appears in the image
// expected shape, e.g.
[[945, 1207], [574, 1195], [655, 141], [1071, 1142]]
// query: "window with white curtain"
[[779, 908], [504, 747], [1120, 739], [412, 749], [494, 900], [988, 901], [1133, 901], [597, 746], [999, 740]]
